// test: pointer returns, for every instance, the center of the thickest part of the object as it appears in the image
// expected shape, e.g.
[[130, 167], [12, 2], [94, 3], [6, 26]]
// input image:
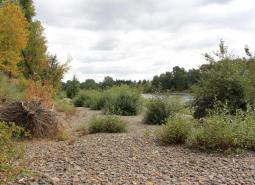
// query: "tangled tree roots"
[[30, 115]]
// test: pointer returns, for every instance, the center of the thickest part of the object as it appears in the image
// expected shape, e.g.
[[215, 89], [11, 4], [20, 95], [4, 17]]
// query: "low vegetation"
[[175, 131], [123, 101], [160, 108], [117, 100], [65, 105], [107, 124], [220, 131], [223, 131], [10, 151], [9, 90], [82, 128]]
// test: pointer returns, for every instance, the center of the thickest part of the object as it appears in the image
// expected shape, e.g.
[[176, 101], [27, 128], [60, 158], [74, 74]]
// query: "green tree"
[[108, 82], [28, 9], [72, 87], [89, 84], [54, 72], [34, 59], [180, 81]]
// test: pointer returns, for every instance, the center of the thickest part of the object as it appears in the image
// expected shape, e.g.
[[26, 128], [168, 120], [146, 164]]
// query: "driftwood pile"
[[32, 116]]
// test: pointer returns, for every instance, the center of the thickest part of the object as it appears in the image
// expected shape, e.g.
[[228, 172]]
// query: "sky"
[[137, 39]]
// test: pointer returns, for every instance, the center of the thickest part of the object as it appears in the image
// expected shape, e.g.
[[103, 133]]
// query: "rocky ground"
[[130, 158]]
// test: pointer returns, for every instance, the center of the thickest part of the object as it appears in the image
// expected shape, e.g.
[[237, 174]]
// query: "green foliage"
[[107, 124], [10, 151], [89, 84], [90, 98], [34, 55], [228, 81], [223, 131], [175, 131], [79, 100], [159, 109], [28, 9], [65, 105], [72, 87], [122, 101], [117, 100], [177, 80], [108, 82], [8, 89]]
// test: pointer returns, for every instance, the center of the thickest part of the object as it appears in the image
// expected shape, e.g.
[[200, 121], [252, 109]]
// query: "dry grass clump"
[[65, 106], [31, 116], [82, 129]]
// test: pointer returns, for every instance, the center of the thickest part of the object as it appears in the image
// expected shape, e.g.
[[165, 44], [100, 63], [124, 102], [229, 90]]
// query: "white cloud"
[[133, 39]]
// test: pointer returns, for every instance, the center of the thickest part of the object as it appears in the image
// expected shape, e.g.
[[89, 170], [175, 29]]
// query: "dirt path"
[[132, 158]]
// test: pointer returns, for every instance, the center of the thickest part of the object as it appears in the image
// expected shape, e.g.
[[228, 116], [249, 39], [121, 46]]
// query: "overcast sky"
[[137, 39]]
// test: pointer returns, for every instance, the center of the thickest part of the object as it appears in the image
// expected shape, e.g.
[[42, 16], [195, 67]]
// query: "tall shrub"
[[122, 100], [228, 81], [159, 109]]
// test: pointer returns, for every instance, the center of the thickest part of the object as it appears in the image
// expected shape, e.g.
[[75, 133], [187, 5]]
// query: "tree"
[[13, 37], [34, 59], [89, 84], [54, 72], [72, 87], [179, 79], [108, 82], [28, 9]]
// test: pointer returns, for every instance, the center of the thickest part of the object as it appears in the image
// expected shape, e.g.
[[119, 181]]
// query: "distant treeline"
[[177, 80]]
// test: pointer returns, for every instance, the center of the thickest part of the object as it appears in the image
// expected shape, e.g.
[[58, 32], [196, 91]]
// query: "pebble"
[[131, 158]]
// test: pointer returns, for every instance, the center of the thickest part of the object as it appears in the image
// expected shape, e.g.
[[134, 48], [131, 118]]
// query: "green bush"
[[90, 98], [79, 100], [228, 81], [10, 151], [122, 100], [175, 131], [107, 124], [159, 109], [223, 131]]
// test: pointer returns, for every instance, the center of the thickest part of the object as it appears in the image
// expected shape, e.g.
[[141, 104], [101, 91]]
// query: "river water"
[[185, 98]]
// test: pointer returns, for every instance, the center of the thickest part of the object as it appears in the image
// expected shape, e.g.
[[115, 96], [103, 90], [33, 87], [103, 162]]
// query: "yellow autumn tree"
[[13, 37]]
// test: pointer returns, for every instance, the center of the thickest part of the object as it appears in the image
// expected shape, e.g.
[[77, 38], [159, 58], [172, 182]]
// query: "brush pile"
[[32, 116]]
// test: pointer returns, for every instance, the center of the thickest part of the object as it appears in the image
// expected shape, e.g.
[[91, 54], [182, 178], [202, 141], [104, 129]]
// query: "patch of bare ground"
[[130, 158]]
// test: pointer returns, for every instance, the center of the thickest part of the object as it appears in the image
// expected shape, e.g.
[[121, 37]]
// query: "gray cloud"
[[140, 38]]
